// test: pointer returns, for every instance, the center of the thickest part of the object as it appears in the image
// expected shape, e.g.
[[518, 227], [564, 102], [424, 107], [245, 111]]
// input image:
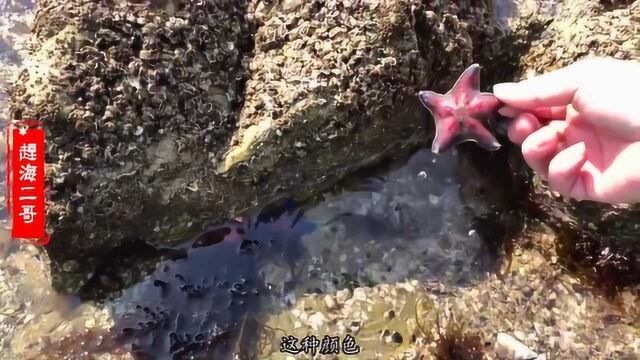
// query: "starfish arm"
[[439, 105], [447, 130], [484, 103], [475, 130], [467, 86]]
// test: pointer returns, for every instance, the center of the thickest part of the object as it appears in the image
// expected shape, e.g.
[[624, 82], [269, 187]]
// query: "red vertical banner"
[[26, 185]]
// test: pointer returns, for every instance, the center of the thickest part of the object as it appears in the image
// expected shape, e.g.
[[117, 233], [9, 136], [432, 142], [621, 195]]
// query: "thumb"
[[555, 88]]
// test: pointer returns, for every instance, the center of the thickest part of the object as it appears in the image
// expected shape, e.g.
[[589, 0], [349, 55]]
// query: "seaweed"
[[453, 341], [599, 261], [597, 243]]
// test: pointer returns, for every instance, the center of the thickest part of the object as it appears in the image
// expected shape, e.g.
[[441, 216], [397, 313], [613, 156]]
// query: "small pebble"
[[508, 347], [360, 294], [330, 302]]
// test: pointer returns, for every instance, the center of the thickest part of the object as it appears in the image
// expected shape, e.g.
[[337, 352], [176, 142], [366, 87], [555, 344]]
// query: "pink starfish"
[[462, 114]]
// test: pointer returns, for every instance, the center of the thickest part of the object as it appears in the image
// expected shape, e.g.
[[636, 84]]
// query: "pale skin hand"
[[579, 128]]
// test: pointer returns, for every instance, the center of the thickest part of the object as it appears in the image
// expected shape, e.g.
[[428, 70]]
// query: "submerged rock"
[[205, 299], [549, 312]]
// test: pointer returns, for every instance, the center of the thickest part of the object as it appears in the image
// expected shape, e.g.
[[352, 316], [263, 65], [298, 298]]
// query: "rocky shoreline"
[[146, 119]]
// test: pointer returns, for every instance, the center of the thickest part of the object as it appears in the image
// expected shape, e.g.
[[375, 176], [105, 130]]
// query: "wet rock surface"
[[36, 322], [127, 98], [432, 240]]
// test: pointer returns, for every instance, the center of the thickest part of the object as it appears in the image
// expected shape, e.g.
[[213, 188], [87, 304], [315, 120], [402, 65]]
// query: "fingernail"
[[503, 87], [507, 111], [547, 144], [581, 148]]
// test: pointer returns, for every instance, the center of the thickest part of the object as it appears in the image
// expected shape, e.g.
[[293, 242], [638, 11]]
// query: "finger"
[[617, 110], [620, 181], [540, 147], [565, 171], [546, 113], [556, 88], [522, 126], [550, 113]]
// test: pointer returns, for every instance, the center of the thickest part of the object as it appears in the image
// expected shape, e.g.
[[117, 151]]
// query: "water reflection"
[[204, 300], [416, 222], [207, 298]]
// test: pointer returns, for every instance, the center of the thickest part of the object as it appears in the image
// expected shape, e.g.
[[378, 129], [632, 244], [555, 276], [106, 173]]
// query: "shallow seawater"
[[203, 300], [210, 297]]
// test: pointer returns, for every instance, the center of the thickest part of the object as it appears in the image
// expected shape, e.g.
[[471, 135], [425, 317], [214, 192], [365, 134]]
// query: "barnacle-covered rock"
[[578, 29], [330, 79], [165, 116], [136, 101]]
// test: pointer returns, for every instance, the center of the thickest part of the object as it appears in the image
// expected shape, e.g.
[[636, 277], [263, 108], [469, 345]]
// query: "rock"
[[316, 320], [578, 29], [362, 319], [167, 117], [390, 314], [507, 347], [442, 321], [38, 323]]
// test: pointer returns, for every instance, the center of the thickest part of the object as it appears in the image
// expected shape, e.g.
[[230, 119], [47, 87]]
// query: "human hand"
[[579, 127]]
